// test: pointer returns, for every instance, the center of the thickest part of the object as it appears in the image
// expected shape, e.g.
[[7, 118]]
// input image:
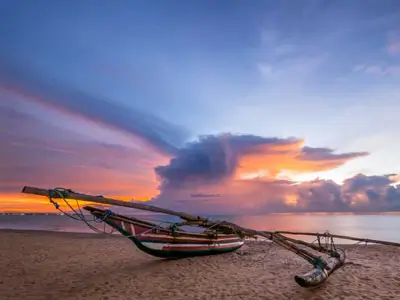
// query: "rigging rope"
[[79, 215]]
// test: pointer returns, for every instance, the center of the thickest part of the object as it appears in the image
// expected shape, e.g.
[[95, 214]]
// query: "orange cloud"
[[269, 161]]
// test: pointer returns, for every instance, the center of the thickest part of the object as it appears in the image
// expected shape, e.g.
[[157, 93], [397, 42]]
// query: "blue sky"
[[326, 72]]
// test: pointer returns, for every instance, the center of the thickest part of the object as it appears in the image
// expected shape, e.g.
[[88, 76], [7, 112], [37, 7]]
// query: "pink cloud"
[[360, 193]]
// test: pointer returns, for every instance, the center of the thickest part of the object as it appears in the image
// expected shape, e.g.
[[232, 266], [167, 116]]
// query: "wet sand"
[[60, 266]]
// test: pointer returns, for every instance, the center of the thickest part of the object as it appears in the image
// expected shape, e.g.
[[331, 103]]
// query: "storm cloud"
[[214, 165], [215, 158]]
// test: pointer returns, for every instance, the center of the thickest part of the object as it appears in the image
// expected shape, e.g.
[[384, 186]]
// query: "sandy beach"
[[49, 265]]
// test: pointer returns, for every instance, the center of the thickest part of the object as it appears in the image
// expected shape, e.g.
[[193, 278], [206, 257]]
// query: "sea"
[[379, 226]]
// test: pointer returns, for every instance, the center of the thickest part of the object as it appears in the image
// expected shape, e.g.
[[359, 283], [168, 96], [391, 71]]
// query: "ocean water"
[[382, 227]]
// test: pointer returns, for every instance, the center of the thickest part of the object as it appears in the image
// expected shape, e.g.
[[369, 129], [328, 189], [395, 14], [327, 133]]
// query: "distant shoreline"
[[43, 231]]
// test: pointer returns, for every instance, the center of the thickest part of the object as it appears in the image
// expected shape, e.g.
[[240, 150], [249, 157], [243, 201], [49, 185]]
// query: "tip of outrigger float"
[[300, 281]]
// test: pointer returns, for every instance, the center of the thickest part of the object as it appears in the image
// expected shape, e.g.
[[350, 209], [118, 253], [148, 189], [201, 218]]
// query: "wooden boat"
[[168, 242]]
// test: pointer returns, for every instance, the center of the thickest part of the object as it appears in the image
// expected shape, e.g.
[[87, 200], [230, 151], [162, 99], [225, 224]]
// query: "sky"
[[226, 107]]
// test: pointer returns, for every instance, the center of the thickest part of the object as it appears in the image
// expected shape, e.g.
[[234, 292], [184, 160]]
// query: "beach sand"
[[48, 265]]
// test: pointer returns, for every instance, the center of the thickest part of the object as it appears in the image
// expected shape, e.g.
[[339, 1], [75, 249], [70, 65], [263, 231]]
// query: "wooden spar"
[[344, 237], [310, 245], [100, 199]]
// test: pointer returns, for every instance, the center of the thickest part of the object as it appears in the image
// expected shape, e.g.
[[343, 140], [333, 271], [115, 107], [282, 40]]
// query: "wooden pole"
[[344, 237], [318, 247]]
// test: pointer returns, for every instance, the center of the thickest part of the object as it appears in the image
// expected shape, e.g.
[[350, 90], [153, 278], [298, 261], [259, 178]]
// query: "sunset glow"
[[253, 111]]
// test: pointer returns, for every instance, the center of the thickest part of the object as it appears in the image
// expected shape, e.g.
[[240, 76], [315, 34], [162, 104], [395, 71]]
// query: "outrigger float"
[[219, 237]]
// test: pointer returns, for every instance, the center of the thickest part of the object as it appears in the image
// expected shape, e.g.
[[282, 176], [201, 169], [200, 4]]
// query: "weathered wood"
[[285, 243], [344, 237], [319, 274], [100, 199], [315, 247]]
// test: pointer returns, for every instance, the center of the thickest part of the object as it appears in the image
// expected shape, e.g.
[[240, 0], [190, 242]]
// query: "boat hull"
[[167, 243], [183, 250]]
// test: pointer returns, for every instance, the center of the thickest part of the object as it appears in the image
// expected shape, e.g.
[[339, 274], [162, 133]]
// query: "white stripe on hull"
[[185, 237], [160, 246]]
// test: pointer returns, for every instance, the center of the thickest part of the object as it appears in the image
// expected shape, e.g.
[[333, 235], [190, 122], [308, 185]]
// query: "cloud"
[[201, 195], [214, 159], [34, 152], [383, 69], [243, 171], [377, 70], [283, 57], [393, 44], [38, 88], [360, 193], [263, 196], [326, 154]]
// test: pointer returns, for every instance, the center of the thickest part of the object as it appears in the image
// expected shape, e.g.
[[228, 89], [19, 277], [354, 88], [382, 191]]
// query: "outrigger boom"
[[219, 236]]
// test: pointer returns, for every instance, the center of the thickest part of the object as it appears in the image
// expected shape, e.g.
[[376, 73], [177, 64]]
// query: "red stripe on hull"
[[204, 240], [128, 227], [196, 247]]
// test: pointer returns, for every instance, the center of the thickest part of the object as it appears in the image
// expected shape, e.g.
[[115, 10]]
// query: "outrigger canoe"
[[168, 242], [218, 236]]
